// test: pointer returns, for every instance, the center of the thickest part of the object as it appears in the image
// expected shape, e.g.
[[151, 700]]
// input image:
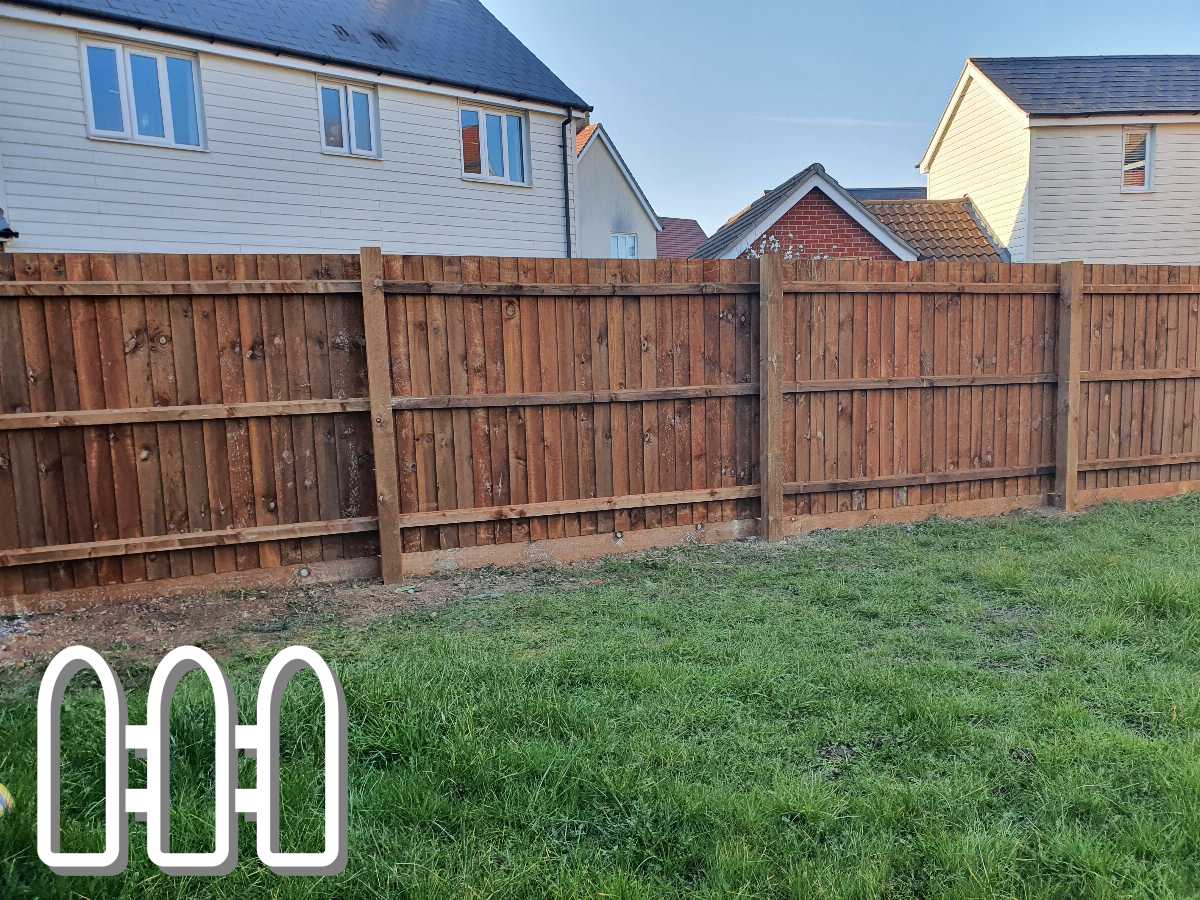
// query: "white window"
[[349, 119], [494, 145], [624, 246], [139, 94], [1138, 171]]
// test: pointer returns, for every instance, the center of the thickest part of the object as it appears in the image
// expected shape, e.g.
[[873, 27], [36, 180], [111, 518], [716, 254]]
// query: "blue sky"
[[712, 101]]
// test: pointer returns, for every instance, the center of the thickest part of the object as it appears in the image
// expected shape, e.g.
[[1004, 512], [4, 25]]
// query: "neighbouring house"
[[811, 216], [1094, 158], [615, 218], [679, 238], [302, 126]]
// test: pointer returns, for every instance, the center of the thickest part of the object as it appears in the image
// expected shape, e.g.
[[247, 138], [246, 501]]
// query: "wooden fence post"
[[770, 396], [383, 429], [1070, 340]]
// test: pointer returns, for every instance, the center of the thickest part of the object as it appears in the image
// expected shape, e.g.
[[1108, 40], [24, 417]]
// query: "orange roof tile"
[[679, 238], [937, 229], [582, 137]]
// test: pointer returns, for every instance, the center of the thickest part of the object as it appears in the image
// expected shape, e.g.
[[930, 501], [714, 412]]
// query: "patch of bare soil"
[[243, 621]]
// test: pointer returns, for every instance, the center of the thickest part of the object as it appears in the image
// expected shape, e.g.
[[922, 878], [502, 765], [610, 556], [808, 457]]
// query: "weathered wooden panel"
[[163, 437]]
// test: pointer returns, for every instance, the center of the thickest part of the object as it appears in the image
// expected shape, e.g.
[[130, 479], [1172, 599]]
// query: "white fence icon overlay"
[[259, 741]]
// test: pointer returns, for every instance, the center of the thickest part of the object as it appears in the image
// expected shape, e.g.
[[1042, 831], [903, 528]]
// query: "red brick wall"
[[816, 226]]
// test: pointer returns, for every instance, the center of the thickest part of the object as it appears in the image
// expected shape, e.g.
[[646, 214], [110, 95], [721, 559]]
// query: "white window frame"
[[633, 240], [1149, 131], [483, 112], [346, 89], [125, 84]]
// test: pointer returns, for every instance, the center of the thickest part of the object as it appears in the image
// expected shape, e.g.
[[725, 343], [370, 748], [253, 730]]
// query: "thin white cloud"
[[818, 122]]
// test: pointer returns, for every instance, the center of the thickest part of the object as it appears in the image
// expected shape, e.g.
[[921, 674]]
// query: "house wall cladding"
[[1079, 209], [180, 423], [263, 185], [984, 155], [818, 227]]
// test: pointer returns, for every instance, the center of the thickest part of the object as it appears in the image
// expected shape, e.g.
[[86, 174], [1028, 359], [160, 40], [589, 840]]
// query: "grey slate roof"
[[745, 222], [1097, 85], [888, 193], [452, 42]]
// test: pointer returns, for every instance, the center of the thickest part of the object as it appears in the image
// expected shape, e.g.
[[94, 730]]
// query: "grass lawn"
[[1004, 708]]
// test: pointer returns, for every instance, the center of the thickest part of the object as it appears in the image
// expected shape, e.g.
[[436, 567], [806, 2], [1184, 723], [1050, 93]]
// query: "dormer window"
[[1137, 173]]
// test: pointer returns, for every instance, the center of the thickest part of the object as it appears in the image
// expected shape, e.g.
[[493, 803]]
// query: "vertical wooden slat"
[[602, 435], [1070, 327], [665, 374], [770, 397], [530, 270], [216, 509], [178, 379], [476, 373], [464, 471], [647, 357], [617, 272], [74, 454], [745, 270], [631, 334], [116, 395], [439, 381], [40, 376], [281, 468], [233, 390], [498, 418], [564, 322], [12, 580], [383, 429], [347, 377], [713, 471]]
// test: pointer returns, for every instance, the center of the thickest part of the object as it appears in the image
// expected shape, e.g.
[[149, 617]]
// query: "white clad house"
[[280, 126], [615, 218], [1094, 158]]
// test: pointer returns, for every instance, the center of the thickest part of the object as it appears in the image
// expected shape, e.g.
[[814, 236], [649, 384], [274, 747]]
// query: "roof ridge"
[[1086, 56], [913, 200], [409, 39]]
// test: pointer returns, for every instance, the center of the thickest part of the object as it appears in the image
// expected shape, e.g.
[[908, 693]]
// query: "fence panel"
[[176, 423]]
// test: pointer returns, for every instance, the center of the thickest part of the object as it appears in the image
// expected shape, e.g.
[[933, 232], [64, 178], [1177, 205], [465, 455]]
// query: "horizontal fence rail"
[[181, 423]]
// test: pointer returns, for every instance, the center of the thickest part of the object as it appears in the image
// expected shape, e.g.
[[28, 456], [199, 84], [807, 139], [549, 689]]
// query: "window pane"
[[624, 246], [1136, 144], [361, 104], [147, 101], [106, 89], [181, 85], [331, 118], [516, 149], [472, 163], [495, 145]]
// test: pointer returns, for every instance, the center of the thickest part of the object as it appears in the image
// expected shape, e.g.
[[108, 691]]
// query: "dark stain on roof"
[[452, 42]]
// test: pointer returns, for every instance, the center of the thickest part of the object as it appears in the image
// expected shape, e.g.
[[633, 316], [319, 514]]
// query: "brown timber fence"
[[179, 423]]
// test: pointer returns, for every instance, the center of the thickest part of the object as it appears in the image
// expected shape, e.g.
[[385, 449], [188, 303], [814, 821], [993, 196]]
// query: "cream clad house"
[[1093, 158], [299, 126], [615, 218]]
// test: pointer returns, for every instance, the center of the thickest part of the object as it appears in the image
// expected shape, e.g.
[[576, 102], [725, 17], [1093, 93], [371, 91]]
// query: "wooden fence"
[[180, 423]]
